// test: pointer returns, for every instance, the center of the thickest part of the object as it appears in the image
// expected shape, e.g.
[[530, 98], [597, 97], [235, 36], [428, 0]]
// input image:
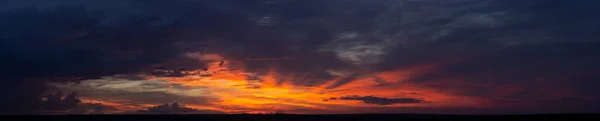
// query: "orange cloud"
[[237, 94], [234, 92]]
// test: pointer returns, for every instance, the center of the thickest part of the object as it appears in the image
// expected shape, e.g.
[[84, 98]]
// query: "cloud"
[[562, 66], [57, 102], [381, 100], [139, 92], [93, 108], [478, 42], [345, 80], [175, 108], [87, 40], [130, 77], [75, 40], [433, 33], [486, 51], [70, 42]]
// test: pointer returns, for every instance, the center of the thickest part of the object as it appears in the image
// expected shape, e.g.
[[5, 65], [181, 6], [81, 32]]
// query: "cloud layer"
[[511, 54]]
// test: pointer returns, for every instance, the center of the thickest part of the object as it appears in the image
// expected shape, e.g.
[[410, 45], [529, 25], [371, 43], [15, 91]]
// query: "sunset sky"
[[300, 56]]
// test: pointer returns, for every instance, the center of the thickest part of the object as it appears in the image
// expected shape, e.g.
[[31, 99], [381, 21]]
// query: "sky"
[[299, 56]]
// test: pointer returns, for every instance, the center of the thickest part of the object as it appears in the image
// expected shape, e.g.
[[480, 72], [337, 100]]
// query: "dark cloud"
[[131, 77], [344, 80], [562, 66], [56, 101], [159, 97], [91, 108], [538, 49], [76, 42], [83, 108], [304, 68], [483, 26], [175, 108], [380, 100]]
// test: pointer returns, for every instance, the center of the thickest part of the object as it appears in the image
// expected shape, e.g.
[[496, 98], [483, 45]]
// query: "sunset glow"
[[299, 56], [271, 92]]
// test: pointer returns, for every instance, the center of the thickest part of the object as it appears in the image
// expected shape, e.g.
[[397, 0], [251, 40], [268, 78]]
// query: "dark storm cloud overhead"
[[101, 39], [34, 45], [274, 40], [381, 100], [76, 42], [33, 48]]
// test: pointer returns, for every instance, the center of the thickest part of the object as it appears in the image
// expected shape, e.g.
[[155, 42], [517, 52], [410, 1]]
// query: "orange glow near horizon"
[[237, 94], [228, 84]]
